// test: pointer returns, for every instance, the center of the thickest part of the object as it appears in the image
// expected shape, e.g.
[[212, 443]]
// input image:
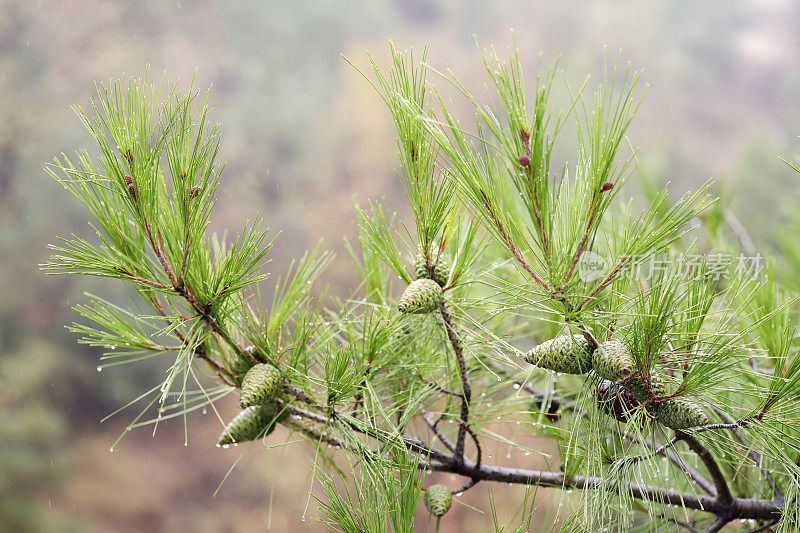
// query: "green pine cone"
[[638, 387], [613, 361], [569, 354], [259, 384], [250, 424], [678, 413], [438, 499], [441, 270], [422, 296]]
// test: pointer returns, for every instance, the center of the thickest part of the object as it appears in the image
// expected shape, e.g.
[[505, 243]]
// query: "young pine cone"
[[569, 354], [422, 296], [637, 386], [441, 270], [250, 424], [438, 500], [613, 361], [678, 413], [259, 384]]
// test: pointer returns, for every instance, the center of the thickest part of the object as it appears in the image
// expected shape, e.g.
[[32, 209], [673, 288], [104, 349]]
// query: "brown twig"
[[608, 279], [510, 244], [466, 388], [439, 388], [582, 245], [373, 432], [298, 393], [439, 435], [468, 485], [144, 281]]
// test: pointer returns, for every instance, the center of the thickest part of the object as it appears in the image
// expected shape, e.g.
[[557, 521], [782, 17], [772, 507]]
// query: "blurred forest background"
[[304, 135]]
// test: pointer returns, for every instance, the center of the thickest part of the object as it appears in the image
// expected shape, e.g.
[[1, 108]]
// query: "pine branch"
[[717, 524], [723, 495], [738, 508]]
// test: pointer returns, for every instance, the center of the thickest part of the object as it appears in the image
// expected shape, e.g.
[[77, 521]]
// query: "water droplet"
[[226, 446], [111, 450], [99, 368]]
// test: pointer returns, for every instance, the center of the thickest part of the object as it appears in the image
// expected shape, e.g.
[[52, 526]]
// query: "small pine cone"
[[569, 354], [613, 361], [441, 270], [615, 401], [250, 424], [422, 296], [678, 413], [637, 386], [438, 500], [259, 384]]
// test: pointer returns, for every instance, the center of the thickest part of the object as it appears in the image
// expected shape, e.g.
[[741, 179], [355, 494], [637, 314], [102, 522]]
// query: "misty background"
[[304, 136]]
